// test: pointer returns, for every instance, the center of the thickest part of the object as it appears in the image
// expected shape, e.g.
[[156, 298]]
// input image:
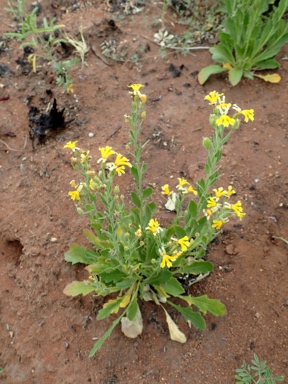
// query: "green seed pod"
[[207, 143]]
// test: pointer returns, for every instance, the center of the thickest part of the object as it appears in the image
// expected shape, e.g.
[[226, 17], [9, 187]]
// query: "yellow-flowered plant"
[[133, 254]]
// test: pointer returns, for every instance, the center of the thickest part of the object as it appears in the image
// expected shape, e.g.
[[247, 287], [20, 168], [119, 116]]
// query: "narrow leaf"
[[78, 288], [99, 343]]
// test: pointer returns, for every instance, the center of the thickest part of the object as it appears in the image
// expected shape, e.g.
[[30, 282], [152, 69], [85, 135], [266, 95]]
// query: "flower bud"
[[116, 190], [143, 115], [212, 119], [74, 161], [143, 97], [236, 125], [207, 143], [91, 173], [80, 211]]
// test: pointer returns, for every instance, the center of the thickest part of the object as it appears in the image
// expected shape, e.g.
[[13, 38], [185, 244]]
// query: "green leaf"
[[100, 342], [198, 267], [180, 231], [136, 200], [267, 64], [78, 288], [195, 317], [115, 276], [163, 276], [173, 287], [147, 193], [193, 209], [99, 244], [111, 306], [235, 75], [79, 254], [211, 305], [206, 72], [135, 173], [132, 309]]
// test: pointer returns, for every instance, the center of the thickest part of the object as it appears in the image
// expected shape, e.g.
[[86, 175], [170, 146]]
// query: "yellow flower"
[[166, 260], [218, 223], [120, 170], [182, 182], [136, 87], [219, 192], [248, 114], [230, 191], [121, 161], [225, 120], [75, 195], [224, 106], [165, 190], [71, 145], [213, 97], [84, 157], [208, 213], [184, 243], [212, 202], [105, 153], [154, 226], [192, 190], [237, 208], [70, 88]]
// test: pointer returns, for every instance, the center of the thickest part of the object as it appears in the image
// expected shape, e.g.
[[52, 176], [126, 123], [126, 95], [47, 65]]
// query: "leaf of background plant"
[[206, 72], [173, 287], [112, 306], [205, 305], [163, 276], [147, 193], [235, 75], [113, 276], [175, 333], [197, 267], [267, 64], [132, 328], [79, 254], [78, 288], [189, 315], [135, 199], [273, 78]]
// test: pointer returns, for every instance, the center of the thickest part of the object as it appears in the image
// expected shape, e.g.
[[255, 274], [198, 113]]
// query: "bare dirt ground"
[[45, 336]]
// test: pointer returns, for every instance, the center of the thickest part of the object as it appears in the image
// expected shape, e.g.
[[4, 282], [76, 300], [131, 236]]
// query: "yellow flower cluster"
[[183, 186], [213, 205], [218, 99], [136, 92]]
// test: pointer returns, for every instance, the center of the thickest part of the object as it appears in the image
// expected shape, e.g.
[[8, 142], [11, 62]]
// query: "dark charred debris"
[[44, 125]]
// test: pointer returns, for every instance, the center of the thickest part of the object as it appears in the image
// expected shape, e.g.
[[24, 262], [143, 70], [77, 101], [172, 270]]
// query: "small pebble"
[[53, 239], [91, 134]]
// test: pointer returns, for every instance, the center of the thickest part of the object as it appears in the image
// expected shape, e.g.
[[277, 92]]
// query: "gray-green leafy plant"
[[257, 373], [61, 70], [252, 37], [43, 41], [17, 11]]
